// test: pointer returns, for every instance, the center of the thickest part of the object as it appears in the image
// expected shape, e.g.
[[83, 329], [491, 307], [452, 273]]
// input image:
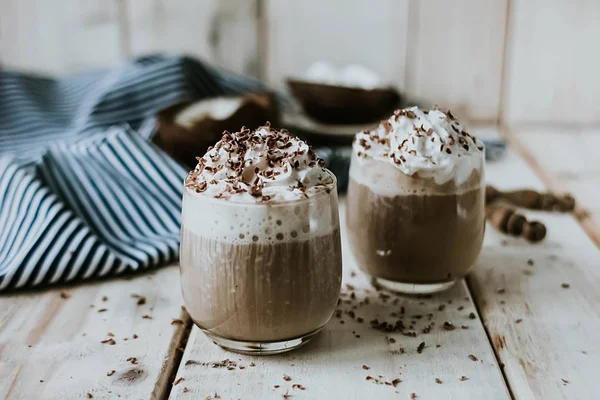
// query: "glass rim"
[[331, 186]]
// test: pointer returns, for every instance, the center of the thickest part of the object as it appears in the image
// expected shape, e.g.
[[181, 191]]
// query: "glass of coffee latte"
[[260, 249], [416, 201]]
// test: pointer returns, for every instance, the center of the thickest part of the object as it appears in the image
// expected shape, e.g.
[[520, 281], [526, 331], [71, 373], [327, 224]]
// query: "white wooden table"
[[519, 331]]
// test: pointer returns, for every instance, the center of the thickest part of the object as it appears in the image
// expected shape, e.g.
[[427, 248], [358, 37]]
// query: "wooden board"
[[50, 346], [545, 334], [455, 55], [566, 160], [370, 33], [332, 365], [54, 37], [551, 74], [221, 32]]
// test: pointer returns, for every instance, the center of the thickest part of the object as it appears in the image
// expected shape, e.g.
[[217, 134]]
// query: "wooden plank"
[[551, 74], [566, 160], [370, 33], [332, 365], [221, 32], [544, 333], [455, 55], [50, 346], [59, 36]]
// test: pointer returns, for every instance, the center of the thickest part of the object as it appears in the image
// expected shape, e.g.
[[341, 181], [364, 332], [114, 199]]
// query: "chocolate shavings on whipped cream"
[[264, 165]]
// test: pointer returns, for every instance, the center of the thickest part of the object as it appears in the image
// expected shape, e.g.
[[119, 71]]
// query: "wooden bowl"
[[343, 105], [186, 142]]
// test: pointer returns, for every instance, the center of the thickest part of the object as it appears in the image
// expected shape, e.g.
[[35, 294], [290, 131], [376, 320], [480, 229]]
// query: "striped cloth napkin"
[[83, 193]]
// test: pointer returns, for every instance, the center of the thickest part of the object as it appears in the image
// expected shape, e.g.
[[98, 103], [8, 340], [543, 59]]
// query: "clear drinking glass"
[[409, 233], [261, 278]]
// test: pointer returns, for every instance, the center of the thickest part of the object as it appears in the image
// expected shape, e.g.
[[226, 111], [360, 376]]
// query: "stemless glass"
[[261, 278], [409, 233]]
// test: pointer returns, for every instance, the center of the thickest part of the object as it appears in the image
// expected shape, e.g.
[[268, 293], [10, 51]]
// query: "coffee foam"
[[384, 179], [240, 223]]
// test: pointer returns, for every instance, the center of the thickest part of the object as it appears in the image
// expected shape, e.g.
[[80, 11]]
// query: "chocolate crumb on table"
[[286, 395], [178, 381], [177, 321], [64, 295], [185, 389], [111, 372], [287, 378], [298, 386], [448, 326], [109, 341], [276, 386], [89, 395], [146, 316], [102, 310], [501, 291], [438, 381], [565, 382], [530, 262], [565, 285], [472, 357], [472, 315], [518, 320], [463, 378], [365, 367], [413, 396], [420, 347]]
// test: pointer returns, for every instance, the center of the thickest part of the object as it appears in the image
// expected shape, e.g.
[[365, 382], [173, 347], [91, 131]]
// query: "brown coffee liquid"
[[415, 238], [260, 291]]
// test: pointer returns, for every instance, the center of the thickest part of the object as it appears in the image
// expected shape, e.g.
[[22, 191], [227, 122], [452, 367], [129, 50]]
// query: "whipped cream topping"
[[351, 75], [259, 166], [431, 143]]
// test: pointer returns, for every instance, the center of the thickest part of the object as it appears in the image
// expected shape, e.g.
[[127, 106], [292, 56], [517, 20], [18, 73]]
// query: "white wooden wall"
[[511, 61]]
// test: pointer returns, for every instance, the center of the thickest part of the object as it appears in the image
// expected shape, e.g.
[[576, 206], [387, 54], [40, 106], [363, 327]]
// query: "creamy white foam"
[[260, 223], [261, 166], [351, 76], [430, 143]]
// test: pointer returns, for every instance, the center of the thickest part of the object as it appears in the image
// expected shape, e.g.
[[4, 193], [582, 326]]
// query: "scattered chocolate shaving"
[[448, 326], [286, 395], [518, 321], [396, 381], [413, 396], [530, 262], [132, 360], [438, 381], [64, 295], [178, 381], [109, 341], [252, 364], [104, 298], [472, 357], [135, 336], [472, 316], [463, 378], [111, 372], [365, 367], [501, 291], [177, 321], [298, 386], [102, 310], [89, 395], [287, 378], [565, 285], [185, 389], [565, 382], [420, 347], [146, 316]]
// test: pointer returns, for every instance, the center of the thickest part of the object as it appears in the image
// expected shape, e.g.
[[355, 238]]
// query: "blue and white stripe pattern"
[[83, 194]]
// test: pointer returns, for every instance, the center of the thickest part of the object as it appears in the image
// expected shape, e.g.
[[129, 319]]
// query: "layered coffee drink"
[[260, 242], [416, 201]]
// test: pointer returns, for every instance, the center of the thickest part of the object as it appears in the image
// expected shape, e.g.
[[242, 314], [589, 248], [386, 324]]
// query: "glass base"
[[261, 348], [411, 288]]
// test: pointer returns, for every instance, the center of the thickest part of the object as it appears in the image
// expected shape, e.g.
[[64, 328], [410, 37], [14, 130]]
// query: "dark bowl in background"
[[343, 105], [185, 144]]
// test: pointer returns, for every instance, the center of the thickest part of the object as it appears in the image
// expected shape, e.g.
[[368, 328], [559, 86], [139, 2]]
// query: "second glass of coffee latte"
[[260, 253], [416, 201]]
